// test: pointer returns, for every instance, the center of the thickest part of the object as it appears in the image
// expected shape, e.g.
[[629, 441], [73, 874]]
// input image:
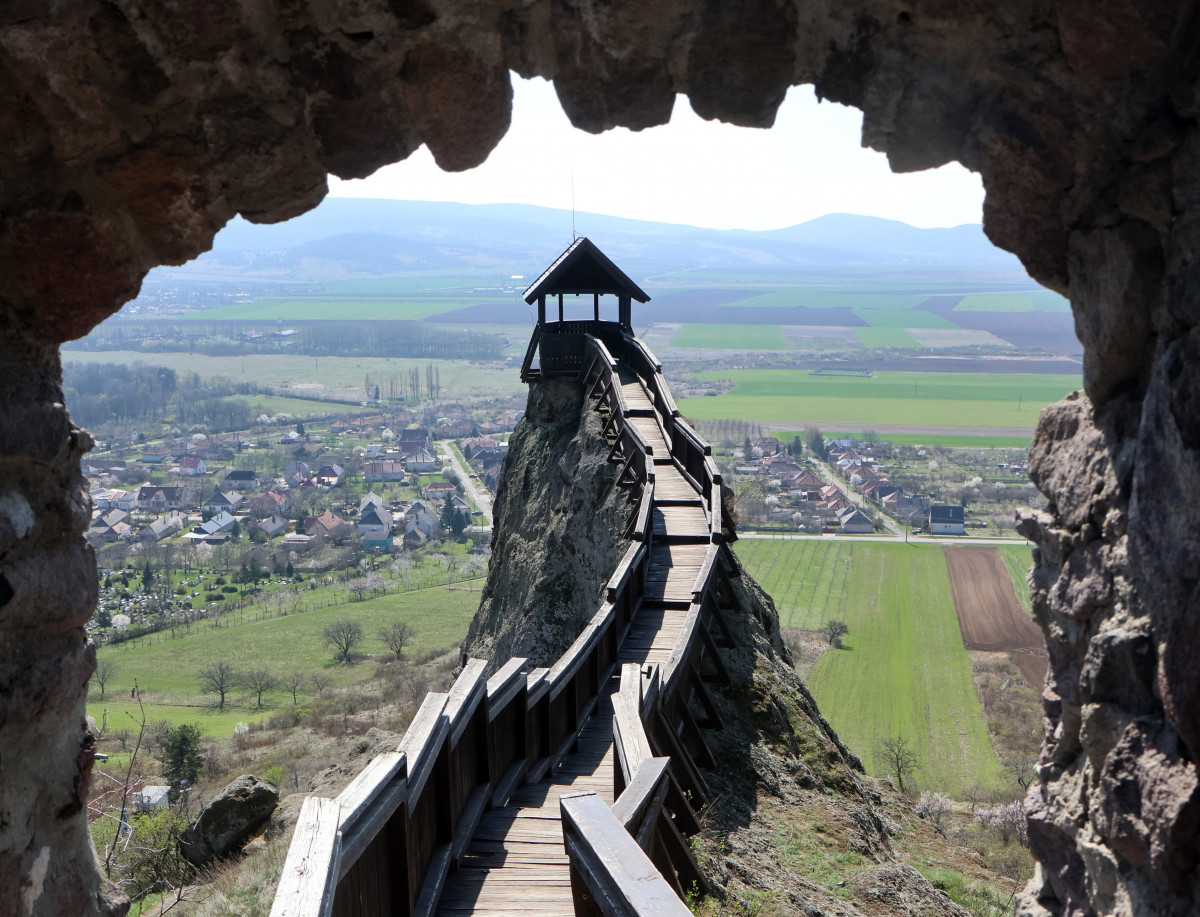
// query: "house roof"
[[943, 514], [583, 268]]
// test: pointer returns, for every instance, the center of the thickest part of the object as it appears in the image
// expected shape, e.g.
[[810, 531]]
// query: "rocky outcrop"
[[558, 536], [227, 824], [559, 519], [133, 131]]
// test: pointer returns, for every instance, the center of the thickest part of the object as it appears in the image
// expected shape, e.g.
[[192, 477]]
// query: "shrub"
[[213, 597], [221, 581], [228, 589]]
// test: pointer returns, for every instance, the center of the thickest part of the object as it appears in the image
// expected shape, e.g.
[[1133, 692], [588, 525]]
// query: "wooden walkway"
[[515, 864]]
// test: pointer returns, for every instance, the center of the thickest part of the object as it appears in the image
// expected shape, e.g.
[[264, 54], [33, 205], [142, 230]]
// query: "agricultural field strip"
[[905, 669], [920, 399]]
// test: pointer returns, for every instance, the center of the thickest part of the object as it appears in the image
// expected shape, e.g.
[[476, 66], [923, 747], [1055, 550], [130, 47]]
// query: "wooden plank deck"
[[515, 864]]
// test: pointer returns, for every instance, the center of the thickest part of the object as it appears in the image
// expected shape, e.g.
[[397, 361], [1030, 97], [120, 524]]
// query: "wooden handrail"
[[618, 874], [430, 814], [309, 877]]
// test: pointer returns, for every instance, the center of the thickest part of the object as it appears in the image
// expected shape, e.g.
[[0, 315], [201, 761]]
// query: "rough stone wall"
[[133, 130], [558, 535]]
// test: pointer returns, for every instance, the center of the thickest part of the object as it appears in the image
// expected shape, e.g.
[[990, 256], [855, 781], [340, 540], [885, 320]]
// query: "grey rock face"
[[558, 531], [227, 823], [134, 131]]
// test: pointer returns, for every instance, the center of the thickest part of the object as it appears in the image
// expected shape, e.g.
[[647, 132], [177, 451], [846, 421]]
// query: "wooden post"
[[626, 313], [541, 310], [596, 305], [560, 307]]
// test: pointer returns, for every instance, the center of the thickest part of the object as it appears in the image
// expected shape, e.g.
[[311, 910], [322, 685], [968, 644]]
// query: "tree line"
[[106, 393], [314, 338]]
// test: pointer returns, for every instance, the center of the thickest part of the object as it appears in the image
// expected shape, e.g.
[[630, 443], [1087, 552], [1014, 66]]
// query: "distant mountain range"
[[346, 238]]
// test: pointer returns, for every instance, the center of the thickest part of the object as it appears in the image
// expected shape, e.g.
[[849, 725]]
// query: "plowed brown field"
[[989, 615]]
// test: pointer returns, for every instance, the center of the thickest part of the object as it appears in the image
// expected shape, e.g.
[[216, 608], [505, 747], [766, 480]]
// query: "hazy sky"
[[692, 171]]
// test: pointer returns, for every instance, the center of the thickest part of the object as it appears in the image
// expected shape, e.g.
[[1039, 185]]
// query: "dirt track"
[[989, 615]]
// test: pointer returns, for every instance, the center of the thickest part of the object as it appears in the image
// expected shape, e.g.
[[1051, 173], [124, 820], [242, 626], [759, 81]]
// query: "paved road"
[[888, 539], [478, 493], [855, 497]]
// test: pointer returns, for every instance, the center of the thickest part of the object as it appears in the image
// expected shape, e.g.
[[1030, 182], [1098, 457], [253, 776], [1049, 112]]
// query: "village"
[[859, 487], [285, 498]]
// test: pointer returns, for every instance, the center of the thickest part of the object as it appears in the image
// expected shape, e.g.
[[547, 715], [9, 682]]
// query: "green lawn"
[[921, 399], [903, 669], [740, 337], [167, 669], [885, 337]]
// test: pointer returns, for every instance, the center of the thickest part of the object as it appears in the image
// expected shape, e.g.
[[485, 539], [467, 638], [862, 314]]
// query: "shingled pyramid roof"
[[583, 268]]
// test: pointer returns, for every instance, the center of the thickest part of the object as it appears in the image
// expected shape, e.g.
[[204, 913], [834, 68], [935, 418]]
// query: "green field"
[[885, 337], [166, 669], [834, 296], [903, 318], [738, 337], [333, 308], [1033, 301], [459, 378], [924, 439], [1019, 558], [903, 669], [919, 399]]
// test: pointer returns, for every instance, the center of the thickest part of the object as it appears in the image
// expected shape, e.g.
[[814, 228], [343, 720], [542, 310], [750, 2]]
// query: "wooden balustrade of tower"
[[582, 270]]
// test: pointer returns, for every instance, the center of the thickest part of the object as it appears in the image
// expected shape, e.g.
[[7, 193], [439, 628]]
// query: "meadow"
[[166, 669], [902, 669], [924, 399]]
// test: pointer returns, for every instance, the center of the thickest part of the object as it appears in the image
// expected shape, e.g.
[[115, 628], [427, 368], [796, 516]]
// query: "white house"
[[946, 519]]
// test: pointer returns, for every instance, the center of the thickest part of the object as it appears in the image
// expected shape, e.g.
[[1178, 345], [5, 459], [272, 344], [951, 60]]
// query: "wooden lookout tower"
[[582, 270]]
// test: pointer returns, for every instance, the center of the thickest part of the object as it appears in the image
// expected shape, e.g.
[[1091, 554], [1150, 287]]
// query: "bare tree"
[[292, 683], [258, 682], [321, 683], [342, 637], [396, 636], [359, 588], [898, 758], [834, 631], [218, 678], [1022, 769], [106, 671]]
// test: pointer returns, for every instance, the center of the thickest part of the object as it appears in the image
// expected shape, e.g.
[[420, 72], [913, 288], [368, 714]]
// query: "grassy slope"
[[935, 399], [904, 670], [167, 669]]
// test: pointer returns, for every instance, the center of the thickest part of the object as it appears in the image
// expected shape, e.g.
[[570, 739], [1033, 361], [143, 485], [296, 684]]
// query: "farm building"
[[945, 520]]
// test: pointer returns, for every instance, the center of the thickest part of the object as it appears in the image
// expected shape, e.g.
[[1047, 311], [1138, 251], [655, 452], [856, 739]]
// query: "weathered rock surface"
[[558, 535], [227, 824], [558, 531], [133, 131]]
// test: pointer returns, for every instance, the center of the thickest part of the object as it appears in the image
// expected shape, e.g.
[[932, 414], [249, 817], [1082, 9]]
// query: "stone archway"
[[133, 131]]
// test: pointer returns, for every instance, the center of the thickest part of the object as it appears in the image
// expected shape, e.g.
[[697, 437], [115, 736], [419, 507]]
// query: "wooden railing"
[[387, 843]]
